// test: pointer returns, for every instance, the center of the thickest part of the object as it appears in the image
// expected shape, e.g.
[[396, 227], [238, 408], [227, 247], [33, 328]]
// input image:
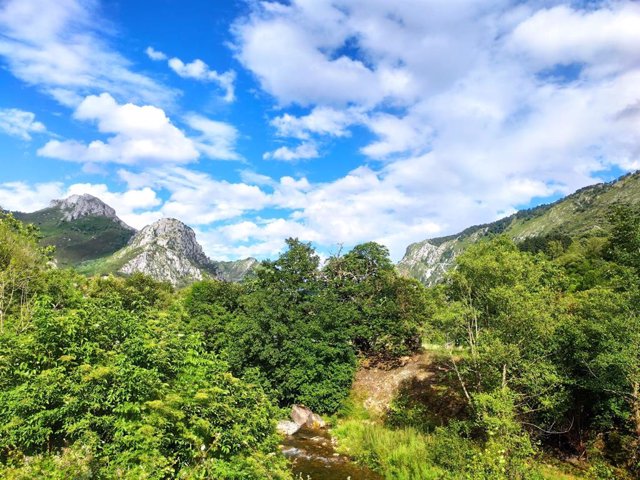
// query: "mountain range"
[[583, 213], [88, 235]]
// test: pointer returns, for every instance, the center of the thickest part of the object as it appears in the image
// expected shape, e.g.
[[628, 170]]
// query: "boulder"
[[303, 416], [315, 421], [287, 427]]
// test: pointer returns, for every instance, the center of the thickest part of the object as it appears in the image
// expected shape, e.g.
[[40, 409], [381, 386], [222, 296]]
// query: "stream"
[[313, 457]]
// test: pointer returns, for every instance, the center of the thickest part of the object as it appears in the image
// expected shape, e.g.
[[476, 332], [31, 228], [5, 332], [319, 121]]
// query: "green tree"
[[387, 310], [294, 332]]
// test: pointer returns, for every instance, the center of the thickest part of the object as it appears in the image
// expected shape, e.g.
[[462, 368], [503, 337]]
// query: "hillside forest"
[[537, 346]]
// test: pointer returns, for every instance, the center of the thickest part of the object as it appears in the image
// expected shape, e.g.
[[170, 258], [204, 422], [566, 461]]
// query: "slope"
[[582, 213]]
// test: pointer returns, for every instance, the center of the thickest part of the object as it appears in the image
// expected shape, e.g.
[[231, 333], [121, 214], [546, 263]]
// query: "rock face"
[[237, 270], [167, 250], [428, 261], [85, 205]]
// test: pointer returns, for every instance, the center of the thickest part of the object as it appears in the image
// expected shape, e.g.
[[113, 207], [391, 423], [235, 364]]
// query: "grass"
[[406, 453], [395, 454]]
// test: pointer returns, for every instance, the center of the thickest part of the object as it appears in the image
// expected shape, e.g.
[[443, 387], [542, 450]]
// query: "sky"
[[334, 121]]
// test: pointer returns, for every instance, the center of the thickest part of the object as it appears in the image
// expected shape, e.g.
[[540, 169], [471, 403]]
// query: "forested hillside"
[[129, 378]]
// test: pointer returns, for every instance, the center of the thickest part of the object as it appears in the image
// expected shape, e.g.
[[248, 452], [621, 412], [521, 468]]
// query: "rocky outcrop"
[[237, 270], [168, 251], [85, 205], [428, 261]]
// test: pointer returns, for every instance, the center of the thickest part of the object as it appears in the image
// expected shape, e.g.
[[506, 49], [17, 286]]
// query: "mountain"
[[81, 227], [582, 213], [167, 250], [237, 270]]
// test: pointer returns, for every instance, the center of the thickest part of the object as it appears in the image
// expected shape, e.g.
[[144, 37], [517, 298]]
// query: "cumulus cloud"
[[61, 48], [23, 197], [320, 121], [140, 134], [198, 70], [604, 40], [19, 123], [475, 108], [196, 197], [304, 151]]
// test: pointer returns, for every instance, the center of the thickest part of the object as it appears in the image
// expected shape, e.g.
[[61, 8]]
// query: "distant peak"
[[174, 235], [85, 205]]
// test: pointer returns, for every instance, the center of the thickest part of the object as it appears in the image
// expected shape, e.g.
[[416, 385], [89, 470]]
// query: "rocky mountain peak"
[[85, 205], [171, 234]]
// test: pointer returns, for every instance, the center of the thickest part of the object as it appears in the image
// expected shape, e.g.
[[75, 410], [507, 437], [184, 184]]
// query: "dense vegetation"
[[544, 352], [121, 378], [125, 378]]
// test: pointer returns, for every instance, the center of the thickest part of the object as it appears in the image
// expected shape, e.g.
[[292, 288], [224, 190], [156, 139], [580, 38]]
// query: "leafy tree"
[[21, 263], [294, 332], [387, 310]]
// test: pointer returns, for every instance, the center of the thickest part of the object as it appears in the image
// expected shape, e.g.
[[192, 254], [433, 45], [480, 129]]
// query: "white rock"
[[287, 427]]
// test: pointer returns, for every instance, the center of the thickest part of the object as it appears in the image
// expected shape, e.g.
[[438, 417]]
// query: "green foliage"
[[103, 379], [296, 328], [294, 332], [549, 341], [386, 310]]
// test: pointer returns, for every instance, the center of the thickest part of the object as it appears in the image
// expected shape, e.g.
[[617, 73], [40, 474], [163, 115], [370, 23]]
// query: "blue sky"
[[336, 121]]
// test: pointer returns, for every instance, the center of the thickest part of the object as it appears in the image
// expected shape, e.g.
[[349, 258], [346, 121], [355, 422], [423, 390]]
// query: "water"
[[313, 457]]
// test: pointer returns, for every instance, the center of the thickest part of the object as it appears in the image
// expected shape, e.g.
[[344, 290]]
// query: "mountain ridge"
[[581, 213], [89, 236], [80, 227]]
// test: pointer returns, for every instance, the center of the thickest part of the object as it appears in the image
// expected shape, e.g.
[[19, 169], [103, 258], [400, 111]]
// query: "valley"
[[154, 360]]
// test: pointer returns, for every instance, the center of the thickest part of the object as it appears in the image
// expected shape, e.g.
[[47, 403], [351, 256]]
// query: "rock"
[[303, 416], [78, 206], [167, 250], [315, 421], [287, 427], [300, 414]]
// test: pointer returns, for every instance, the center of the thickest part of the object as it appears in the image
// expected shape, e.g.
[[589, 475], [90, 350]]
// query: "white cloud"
[[321, 121], [605, 40], [476, 107], [19, 123], [217, 139], [199, 70], [23, 197], [140, 135], [303, 151], [154, 54], [61, 48], [197, 198]]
